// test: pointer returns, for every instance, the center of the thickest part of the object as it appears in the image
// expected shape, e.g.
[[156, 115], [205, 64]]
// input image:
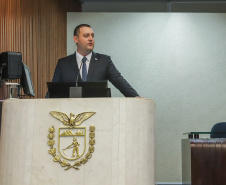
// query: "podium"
[[120, 131], [203, 159]]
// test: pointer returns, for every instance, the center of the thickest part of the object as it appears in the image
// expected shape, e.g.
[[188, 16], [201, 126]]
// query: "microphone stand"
[[76, 82], [76, 92]]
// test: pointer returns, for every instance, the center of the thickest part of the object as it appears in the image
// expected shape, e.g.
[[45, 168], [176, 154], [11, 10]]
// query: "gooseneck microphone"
[[76, 82], [76, 85], [87, 53]]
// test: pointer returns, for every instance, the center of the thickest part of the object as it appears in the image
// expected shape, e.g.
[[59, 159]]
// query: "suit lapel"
[[75, 67], [93, 60]]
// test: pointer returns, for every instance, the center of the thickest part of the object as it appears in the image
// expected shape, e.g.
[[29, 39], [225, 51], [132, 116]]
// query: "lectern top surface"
[[186, 133], [197, 135]]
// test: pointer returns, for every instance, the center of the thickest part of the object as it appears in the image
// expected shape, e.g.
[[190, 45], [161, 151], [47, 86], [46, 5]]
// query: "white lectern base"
[[124, 142]]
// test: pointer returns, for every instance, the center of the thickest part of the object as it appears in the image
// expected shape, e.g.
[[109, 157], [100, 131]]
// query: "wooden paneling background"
[[37, 29]]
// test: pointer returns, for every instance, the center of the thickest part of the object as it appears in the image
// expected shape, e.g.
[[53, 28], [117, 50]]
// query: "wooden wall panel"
[[37, 29]]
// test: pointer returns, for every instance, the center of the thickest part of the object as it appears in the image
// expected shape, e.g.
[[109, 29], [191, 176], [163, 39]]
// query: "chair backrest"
[[218, 127]]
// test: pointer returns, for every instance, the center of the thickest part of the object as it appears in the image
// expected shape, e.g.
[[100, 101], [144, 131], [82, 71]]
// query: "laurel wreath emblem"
[[64, 163]]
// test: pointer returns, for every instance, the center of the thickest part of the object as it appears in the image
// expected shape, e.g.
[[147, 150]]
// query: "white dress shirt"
[[79, 58]]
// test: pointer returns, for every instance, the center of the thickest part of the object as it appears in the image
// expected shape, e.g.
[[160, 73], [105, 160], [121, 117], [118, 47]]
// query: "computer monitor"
[[26, 81], [10, 65], [89, 89]]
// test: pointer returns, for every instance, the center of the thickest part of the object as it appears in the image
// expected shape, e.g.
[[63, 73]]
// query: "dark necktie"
[[84, 69]]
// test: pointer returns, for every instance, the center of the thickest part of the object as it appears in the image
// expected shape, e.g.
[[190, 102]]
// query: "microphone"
[[87, 53], [76, 92], [76, 82]]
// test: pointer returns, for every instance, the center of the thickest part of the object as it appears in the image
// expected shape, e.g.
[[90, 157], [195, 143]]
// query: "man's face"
[[85, 40]]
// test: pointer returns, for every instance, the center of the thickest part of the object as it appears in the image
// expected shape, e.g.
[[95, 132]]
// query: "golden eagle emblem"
[[72, 120], [72, 140]]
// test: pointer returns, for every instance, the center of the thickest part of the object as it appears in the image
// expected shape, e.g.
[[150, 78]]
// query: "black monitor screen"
[[26, 81], [89, 89], [11, 65]]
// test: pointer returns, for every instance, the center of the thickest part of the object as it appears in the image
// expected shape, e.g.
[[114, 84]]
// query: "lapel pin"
[[95, 58]]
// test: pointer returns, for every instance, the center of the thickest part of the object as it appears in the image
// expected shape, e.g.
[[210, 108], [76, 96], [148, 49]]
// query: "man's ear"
[[75, 38]]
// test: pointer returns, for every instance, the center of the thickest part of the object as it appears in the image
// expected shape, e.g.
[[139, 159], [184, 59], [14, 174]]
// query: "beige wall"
[[176, 59]]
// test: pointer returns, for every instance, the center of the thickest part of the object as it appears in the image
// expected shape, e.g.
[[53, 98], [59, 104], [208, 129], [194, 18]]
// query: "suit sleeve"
[[57, 73], [56, 76], [118, 81]]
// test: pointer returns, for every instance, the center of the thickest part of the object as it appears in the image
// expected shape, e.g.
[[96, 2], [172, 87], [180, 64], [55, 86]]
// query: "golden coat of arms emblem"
[[71, 140]]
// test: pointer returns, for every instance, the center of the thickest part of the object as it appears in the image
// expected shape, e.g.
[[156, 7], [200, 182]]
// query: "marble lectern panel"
[[124, 148]]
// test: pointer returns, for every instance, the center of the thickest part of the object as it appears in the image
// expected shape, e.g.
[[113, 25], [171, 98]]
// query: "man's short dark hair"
[[77, 29]]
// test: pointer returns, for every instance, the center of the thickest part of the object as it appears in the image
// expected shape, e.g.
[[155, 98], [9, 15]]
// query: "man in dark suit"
[[92, 66]]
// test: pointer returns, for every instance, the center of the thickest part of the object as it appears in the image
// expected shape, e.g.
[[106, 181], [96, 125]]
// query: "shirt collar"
[[80, 57]]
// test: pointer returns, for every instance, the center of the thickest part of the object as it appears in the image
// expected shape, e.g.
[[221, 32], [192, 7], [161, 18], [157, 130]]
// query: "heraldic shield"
[[72, 144]]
